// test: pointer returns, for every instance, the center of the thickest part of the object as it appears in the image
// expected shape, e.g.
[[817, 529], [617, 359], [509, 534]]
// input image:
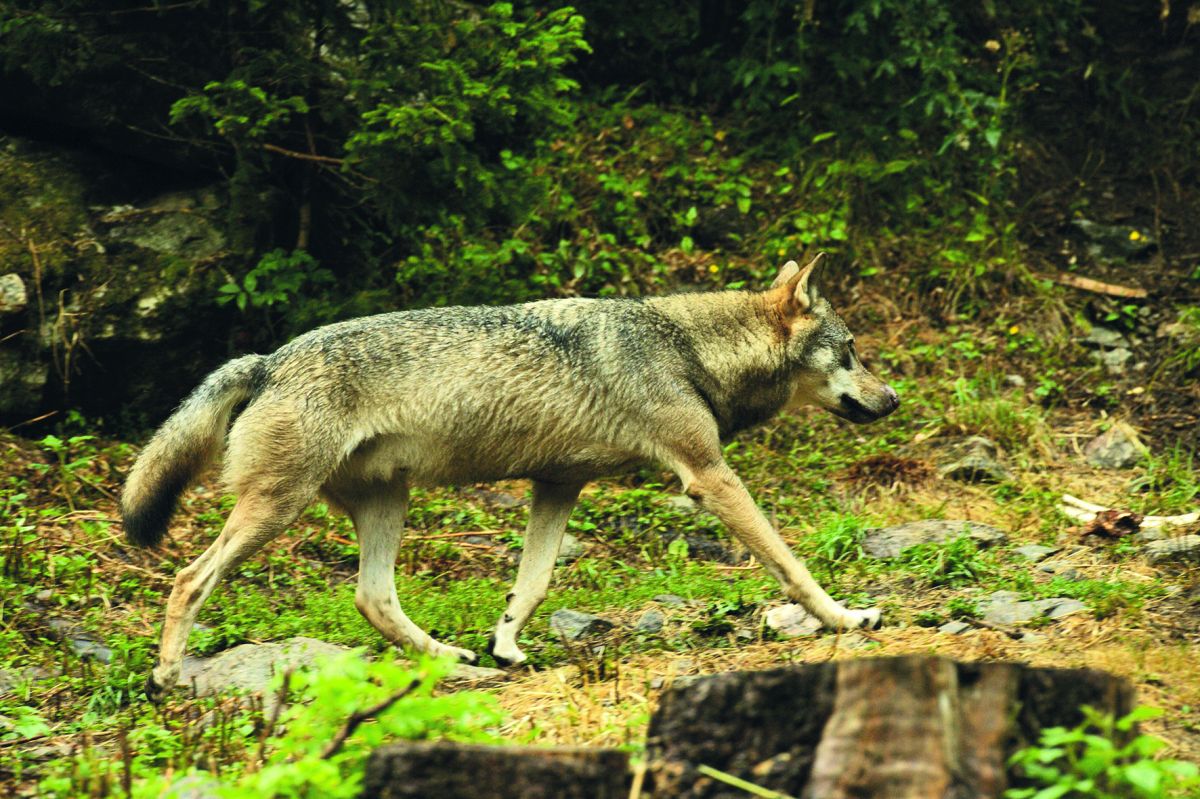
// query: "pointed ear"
[[804, 284], [789, 271]]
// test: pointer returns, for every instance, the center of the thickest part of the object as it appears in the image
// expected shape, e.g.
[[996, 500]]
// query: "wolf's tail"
[[186, 443]]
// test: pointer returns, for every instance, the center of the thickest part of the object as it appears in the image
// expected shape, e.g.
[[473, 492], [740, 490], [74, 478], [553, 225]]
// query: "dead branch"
[[1083, 511], [359, 716], [1096, 286]]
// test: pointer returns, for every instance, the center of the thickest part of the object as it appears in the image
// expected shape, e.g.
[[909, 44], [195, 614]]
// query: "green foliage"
[[1101, 758], [278, 277], [293, 757], [955, 563]]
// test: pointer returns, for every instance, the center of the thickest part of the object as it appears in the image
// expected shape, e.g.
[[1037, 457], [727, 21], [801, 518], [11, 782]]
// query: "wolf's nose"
[[892, 398]]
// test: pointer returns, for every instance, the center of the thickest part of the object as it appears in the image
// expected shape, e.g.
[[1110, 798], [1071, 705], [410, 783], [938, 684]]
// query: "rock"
[[1014, 381], [497, 499], [1105, 338], [1116, 448], [954, 627], [1036, 552], [464, 672], [573, 625], [1179, 548], [651, 622], [1066, 608], [250, 667], [1114, 360], [792, 621], [570, 550], [670, 599], [682, 502], [1006, 607], [448, 770], [888, 542], [974, 460], [13, 296], [83, 644], [1113, 242]]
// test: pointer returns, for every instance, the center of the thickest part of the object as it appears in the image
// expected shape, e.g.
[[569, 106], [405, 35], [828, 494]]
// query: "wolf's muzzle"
[[854, 411]]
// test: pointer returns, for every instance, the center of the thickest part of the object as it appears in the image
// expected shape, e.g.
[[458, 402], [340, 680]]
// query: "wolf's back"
[[188, 441]]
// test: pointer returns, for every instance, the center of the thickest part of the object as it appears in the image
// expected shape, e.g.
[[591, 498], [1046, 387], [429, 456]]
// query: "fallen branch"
[[1096, 286], [1083, 511], [359, 716]]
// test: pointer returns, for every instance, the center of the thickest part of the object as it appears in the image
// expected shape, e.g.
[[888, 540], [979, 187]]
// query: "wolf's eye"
[[848, 354]]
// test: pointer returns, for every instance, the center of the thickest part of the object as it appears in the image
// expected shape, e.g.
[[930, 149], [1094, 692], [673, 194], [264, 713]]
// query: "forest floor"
[[80, 608]]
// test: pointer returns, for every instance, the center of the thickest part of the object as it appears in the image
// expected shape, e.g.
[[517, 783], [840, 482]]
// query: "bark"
[[893, 728]]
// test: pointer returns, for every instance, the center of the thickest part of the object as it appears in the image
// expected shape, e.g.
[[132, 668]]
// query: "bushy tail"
[[186, 443]]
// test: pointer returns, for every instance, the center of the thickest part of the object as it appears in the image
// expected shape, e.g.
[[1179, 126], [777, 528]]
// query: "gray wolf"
[[559, 392]]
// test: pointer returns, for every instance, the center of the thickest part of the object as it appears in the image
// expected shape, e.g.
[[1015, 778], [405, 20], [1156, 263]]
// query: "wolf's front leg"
[[552, 505], [718, 490]]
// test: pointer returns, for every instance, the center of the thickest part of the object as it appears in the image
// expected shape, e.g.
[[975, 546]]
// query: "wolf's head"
[[826, 370]]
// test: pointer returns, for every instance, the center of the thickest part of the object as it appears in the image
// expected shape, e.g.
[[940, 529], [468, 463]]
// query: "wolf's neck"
[[739, 353]]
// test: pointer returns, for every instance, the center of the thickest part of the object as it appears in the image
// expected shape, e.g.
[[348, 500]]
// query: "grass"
[[825, 485]]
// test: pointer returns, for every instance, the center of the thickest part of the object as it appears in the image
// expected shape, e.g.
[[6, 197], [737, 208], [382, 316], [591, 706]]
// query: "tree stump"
[[892, 728], [421, 770]]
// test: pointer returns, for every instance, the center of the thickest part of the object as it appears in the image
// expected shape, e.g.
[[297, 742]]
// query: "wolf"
[[559, 392]]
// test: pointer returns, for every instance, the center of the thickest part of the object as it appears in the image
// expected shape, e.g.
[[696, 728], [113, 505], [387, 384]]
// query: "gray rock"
[[1113, 242], [571, 550], [464, 672], [83, 644], [670, 599], [1116, 448], [1066, 608], [1179, 548], [13, 296], [888, 542], [573, 625], [1114, 361], [792, 621], [1105, 338], [250, 667], [1014, 381], [974, 460], [954, 627], [651, 622], [1006, 607], [1036, 552], [22, 381], [497, 499]]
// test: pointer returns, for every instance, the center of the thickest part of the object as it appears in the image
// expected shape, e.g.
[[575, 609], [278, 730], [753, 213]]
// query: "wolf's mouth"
[[854, 411]]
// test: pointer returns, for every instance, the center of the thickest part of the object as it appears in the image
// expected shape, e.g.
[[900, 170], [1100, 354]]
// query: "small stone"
[[792, 621], [1029, 637], [670, 599], [570, 550], [1114, 360], [45, 595], [889, 542], [573, 625], [13, 296], [1104, 338], [651, 622], [250, 667], [1116, 448], [1036, 552], [974, 460], [1071, 574], [1066, 608], [1014, 381], [1179, 548], [464, 672], [954, 627], [683, 503]]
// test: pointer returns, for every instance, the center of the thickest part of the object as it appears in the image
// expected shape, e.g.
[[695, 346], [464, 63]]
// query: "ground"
[[72, 588]]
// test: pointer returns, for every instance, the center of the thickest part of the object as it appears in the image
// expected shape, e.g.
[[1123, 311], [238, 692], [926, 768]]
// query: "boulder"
[[889, 542], [792, 621], [573, 625], [250, 667], [1116, 448]]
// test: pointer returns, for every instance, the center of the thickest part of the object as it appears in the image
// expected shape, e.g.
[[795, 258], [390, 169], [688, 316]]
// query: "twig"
[[1096, 286], [1083, 511], [320, 159], [359, 716], [269, 729], [639, 776], [738, 782]]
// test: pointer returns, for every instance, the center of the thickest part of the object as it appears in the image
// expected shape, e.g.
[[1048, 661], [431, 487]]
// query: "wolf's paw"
[[505, 656], [155, 691], [869, 619], [463, 655]]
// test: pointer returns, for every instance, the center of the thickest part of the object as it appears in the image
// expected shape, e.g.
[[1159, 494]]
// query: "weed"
[[955, 563]]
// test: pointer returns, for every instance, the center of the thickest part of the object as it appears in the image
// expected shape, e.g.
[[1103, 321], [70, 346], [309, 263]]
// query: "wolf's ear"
[[803, 293], [789, 271]]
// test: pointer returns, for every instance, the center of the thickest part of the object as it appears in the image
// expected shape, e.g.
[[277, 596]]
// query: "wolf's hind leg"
[[552, 505], [256, 519], [378, 511]]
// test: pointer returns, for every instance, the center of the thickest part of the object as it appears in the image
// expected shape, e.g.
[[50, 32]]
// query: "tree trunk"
[[892, 728]]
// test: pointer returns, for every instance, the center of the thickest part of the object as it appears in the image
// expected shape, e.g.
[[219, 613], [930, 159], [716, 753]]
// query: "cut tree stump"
[[422, 770], [891, 728]]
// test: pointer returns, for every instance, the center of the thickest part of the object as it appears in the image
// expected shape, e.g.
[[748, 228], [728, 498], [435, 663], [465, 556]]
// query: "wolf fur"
[[559, 392]]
